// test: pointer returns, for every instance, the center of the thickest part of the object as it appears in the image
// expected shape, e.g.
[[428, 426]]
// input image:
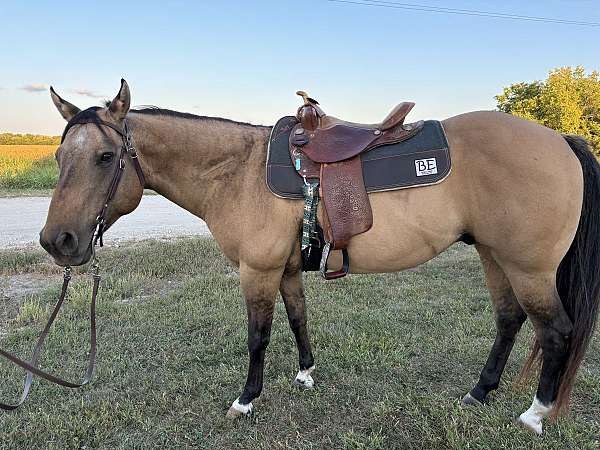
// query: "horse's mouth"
[[74, 260]]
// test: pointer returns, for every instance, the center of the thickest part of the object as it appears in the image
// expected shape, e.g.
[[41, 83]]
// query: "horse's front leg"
[[260, 291], [292, 292]]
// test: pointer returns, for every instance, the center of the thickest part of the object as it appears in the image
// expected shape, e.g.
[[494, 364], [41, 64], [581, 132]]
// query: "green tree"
[[567, 101]]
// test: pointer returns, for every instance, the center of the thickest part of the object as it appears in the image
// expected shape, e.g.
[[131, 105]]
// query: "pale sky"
[[244, 60]]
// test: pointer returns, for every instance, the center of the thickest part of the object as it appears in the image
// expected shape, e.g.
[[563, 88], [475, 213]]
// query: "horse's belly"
[[410, 227]]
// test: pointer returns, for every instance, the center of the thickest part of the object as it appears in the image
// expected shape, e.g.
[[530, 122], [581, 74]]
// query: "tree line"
[[28, 139], [568, 101]]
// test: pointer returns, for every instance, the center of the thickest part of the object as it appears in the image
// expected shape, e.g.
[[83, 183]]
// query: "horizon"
[[222, 61]]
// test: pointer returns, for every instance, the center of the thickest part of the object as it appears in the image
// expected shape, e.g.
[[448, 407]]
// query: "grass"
[[27, 167], [394, 353]]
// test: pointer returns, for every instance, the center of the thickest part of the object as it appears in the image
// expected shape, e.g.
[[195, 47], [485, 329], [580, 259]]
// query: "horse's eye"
[[107, 157]]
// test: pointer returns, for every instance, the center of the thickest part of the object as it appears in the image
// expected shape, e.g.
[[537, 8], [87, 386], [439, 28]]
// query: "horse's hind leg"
[[509, 317], [538, 295], [292, 292]]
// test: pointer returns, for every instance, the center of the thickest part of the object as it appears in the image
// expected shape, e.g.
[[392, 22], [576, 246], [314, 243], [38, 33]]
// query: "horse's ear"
[[119, 107], [66, 109]]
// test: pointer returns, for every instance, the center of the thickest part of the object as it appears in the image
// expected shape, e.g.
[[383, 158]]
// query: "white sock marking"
[[244, 409], [534, 415], [304, 377]]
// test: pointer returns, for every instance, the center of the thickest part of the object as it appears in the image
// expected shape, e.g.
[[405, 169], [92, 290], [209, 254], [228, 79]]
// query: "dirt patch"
[[13, 291], [152, 289]]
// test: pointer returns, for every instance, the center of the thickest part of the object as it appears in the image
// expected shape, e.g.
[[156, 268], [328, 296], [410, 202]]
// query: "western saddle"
[[326, 153]]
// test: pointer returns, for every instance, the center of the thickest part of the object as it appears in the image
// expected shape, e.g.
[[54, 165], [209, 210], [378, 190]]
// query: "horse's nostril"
[[67, 243], [44, 241]]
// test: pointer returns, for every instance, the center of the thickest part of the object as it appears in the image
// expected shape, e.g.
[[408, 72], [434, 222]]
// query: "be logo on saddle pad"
[[426, 167]]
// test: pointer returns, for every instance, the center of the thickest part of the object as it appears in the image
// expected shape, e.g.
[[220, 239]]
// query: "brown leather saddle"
[[327, 150]]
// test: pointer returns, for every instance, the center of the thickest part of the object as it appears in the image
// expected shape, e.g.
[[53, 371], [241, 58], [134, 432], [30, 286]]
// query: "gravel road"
[[22, 218]]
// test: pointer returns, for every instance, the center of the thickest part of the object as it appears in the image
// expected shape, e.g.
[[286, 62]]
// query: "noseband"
[[87, 116]]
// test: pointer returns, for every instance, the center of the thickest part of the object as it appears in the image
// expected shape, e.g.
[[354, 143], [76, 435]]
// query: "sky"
[[244, 60]]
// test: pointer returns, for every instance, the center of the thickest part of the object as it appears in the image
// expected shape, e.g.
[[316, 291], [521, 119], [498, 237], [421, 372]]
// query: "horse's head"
[[88, 158]]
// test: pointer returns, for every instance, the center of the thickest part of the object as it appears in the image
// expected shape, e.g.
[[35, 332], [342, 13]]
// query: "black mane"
[[90, 115], [155, 111]]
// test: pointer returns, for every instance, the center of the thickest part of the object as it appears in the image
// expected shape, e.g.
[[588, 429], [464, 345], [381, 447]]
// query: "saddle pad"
[[420, 161]]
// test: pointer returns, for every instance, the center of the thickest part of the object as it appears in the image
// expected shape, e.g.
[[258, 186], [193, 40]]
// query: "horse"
[[522, 194]]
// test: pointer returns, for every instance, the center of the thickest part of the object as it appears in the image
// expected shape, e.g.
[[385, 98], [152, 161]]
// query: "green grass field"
[[394, 353]]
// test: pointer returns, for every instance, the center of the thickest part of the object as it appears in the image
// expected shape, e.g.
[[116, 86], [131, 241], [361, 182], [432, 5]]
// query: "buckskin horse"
[[524, 195]]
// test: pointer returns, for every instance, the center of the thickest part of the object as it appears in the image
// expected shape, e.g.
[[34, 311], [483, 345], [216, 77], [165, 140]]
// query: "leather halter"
[[87, 116]]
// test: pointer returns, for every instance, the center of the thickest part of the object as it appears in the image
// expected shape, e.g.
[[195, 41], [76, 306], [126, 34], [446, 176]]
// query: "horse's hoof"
[[533, 417], [238, 410], [469, 400], [303, 380], [534, 427]]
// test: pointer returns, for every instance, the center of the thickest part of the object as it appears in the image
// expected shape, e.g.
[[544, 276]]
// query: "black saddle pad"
[[420, 161]]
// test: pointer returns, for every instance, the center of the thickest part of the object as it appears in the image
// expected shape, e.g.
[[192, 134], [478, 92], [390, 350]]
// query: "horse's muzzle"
[[64, 247]]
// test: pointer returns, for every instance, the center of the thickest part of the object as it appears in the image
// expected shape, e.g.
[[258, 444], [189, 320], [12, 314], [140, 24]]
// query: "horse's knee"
[[258, 342]]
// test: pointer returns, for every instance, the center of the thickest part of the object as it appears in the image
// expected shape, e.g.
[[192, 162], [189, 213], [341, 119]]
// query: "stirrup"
[[338, 273]]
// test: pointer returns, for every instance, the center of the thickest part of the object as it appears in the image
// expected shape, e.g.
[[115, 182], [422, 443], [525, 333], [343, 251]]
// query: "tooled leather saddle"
[[327, 151]]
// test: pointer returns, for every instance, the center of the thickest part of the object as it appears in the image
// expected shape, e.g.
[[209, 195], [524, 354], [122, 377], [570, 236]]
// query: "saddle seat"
[[395, 117], [327, 149], [331, 139]]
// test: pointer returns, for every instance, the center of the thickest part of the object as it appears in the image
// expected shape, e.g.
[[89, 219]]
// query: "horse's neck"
[[198, 164]]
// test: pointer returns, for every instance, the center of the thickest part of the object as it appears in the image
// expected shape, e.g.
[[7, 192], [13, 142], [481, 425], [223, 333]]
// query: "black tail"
[[578, 275]]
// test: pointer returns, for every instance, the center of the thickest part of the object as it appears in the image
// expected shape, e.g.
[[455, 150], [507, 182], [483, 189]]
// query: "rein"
[[87, 116]]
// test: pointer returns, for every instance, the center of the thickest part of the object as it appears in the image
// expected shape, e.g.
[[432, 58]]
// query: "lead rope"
[[31, 366]]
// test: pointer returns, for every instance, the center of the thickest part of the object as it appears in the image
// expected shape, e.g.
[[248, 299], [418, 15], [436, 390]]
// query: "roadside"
[[22, 218], [12, 193]]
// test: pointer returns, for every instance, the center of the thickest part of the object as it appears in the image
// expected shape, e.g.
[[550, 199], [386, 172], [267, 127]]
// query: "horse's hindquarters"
[[521, 188]]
